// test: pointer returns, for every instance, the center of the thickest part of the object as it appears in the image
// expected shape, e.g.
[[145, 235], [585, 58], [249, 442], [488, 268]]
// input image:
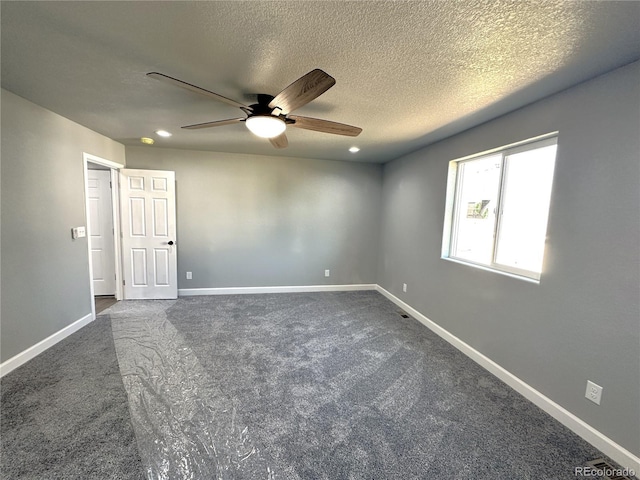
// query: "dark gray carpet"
[[339, 386], [65, 415], [186, 427], [283, 386]]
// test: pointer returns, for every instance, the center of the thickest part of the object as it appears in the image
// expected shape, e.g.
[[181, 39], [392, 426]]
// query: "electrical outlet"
[[189, 276], [404, 287], [594, 392], [327, 273]]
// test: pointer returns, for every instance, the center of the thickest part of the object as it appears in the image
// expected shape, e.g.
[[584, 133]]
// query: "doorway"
[[103, 222]]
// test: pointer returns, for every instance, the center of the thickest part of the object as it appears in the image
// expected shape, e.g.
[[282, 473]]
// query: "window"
[[498, 205]]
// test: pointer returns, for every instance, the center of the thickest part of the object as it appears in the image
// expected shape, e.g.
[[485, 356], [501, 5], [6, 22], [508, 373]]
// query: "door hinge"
[[110, 185], [123, 282]]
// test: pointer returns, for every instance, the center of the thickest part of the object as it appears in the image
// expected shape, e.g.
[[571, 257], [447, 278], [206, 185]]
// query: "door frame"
[[114, 167]]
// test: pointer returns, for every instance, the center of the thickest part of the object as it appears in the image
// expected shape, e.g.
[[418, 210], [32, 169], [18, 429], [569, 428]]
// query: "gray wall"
[[45, 274], [246, 220], [583, 320]]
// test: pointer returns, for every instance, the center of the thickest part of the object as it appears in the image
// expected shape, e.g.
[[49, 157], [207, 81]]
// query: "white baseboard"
[[188, 292], [35, 350], [603, 443]]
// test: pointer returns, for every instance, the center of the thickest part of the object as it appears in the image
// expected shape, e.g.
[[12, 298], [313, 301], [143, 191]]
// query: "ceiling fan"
[[270, 117]]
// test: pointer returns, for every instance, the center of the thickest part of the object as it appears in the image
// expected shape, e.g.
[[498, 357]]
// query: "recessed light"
[[163, 133], [354, 149], [147, 140]]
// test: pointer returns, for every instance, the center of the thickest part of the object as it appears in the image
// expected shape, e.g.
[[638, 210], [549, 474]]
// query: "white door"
[[103, 261], [149, 252]]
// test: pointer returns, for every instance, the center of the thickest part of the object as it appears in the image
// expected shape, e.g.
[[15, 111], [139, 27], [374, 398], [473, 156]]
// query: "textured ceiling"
[[408, 73]]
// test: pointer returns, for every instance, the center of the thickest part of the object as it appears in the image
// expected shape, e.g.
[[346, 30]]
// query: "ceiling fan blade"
[[174, 81], [280, 141], [303, 90], [217, 123], [324, 126]]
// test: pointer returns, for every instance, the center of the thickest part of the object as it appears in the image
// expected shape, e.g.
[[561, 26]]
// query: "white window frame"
[[449, 236]]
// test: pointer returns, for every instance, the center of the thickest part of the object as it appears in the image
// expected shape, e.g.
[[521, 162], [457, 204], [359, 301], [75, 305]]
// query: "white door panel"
[[101, 232], [149, 233]]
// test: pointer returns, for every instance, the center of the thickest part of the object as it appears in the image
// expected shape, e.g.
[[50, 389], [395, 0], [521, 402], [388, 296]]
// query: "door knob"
[[170, 242]]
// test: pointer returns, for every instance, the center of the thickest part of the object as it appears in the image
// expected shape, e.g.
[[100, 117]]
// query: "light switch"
[[78, 232]]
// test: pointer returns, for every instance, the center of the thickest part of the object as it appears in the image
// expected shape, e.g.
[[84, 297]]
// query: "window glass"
[[478, 182], [525, 208]]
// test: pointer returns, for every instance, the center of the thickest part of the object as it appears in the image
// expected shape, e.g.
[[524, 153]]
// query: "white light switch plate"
[[78, 232]]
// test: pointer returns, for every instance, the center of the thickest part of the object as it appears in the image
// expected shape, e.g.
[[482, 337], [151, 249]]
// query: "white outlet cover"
[[327, 273], [189, 276], [594, 392], [404, 287]]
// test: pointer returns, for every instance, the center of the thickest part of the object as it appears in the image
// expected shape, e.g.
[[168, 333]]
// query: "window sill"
[[492, 270]]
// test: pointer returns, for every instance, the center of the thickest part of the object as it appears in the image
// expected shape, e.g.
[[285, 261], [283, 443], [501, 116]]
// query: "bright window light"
[[499, 206], [265, 126]]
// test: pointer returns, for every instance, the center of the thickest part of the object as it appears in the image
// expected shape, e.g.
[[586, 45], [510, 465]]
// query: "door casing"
[[115, 208]]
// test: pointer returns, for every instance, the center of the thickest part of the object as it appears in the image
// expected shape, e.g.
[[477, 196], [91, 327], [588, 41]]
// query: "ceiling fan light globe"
[[265, 126]]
